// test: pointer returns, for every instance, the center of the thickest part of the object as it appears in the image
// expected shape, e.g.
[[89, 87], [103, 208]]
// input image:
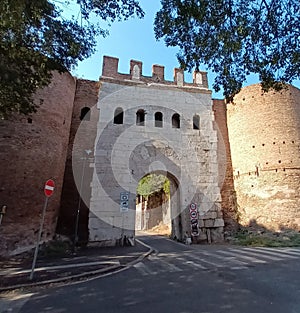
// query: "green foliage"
[[266, 239], [36, 39], [153, 183], [166, 187], [234, 38], [55, 248]]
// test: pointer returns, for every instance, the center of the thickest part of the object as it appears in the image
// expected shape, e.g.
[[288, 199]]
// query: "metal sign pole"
[[39, 238], [124, 206], [2, 212]]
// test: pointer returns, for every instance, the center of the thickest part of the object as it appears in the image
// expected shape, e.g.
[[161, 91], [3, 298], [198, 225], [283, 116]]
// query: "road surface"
[[184, 279]]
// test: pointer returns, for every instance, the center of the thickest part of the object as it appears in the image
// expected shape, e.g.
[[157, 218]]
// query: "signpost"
[[48, 191], [49, 188], [194, 219], [124, 202], [124, 207]]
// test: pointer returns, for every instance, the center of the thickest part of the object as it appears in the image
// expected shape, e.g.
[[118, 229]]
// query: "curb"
[[58, 280], [143, 256], [114, 269]]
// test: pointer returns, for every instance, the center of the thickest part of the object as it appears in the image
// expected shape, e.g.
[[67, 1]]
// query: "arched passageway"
[[158, 205]]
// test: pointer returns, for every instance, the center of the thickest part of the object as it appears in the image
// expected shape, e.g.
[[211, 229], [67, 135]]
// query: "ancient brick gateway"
[[105, 136], [150, 125]]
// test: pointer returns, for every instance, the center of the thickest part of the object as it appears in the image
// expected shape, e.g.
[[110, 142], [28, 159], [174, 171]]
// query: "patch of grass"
[[296, 239], [267, 239], [55, 248]]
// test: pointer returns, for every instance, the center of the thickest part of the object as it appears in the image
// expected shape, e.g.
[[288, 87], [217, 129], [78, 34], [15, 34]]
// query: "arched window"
[[196, 122], [85, 114], [140, 117], [118, 116], [158, 119], [176, 121]]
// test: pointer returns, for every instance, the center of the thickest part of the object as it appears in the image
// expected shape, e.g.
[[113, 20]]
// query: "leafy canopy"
[[153, 183], [234, 38], [36, 39]]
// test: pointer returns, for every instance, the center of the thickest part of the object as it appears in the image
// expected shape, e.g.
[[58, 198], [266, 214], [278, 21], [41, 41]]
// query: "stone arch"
[[170, 210], [151, 156]]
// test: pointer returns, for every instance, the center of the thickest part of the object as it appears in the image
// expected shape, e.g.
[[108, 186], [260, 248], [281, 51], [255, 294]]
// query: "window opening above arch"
[[118, 116], [176, 120], [85, 114], [140, 117], [196, 122], [158, 116]]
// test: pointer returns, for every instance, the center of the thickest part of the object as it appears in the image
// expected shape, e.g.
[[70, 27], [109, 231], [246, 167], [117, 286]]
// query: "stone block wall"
[[32, 150], [126, 151], [154, 209]]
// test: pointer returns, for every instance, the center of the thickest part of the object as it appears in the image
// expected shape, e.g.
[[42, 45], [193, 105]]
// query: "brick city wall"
[[110, 71], [32, 150], [229, 205], [82, 139], [264, 134]]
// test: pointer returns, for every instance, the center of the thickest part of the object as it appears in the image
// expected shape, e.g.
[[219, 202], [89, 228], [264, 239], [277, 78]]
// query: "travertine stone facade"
[[264, 134], [129, 149]]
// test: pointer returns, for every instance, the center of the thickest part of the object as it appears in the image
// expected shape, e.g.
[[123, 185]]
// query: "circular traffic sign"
[[193, 214], [193, 206], [49, 188]]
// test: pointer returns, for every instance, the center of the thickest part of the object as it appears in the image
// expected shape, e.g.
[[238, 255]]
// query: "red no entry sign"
[[49, 188]]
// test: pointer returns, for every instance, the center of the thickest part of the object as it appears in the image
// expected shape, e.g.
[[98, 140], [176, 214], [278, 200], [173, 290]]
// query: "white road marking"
[[236, 254], [294, 249], [280, 253], [165, 264], [254, 252], [232, 258], [199, 259], [192, 264], [57, 267], [143, 269]]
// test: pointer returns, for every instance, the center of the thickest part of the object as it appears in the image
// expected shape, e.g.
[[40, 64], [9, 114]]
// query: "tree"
[[153, 183], [234, 38], [36, 39]]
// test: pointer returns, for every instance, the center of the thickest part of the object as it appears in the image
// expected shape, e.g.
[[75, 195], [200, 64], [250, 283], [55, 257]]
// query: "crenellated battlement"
[[110, 70]]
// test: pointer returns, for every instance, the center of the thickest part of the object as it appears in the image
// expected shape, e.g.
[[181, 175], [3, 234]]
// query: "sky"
[[134, 40]]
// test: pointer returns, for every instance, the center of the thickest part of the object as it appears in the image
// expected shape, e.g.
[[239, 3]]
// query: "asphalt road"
[[185, 279]]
